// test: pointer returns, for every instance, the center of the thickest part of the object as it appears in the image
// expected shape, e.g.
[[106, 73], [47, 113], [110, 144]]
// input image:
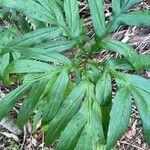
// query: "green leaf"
[[145, 60], [29, 104], [93, 72], [136, 18], [57, 46], [85, 130], [92, 134], [37, 118], [42, 55], [126, 4], [104, 89], [136, 81], [120, 6], [98, 18], [72, 132], [116, 6], [142, 101], [4, 61], [125, 50], [120, 115], [7, 35], [72, 16], [123, 64], [10, 99], [34, 37], [32, 9], [56, 97], [68, 109], [28, 66], [119, 64], [55, 10]]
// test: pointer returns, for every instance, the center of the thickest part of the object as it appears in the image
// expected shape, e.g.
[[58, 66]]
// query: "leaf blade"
[[97, 12], [120, 115]]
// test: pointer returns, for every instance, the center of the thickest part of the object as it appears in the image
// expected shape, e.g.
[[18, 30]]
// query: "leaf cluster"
[[72, 94]]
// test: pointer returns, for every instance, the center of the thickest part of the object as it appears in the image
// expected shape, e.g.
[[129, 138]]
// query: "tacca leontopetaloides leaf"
[[4, 61], [42, 55], [72, 16], [119, 64], [124, 49], [32, 9], [37, 118], [85, 130], [136, 81], [140, 92], [28, 66], [123, 64], [120, 115], [142, 100], [136, 18], [35, 37], [10, 99], [29, 104], [68, 109], [92, 134], [120, 6], [104, 89], [55, 11], [55, 97], [73, 131], [98, 18], [57, 46]]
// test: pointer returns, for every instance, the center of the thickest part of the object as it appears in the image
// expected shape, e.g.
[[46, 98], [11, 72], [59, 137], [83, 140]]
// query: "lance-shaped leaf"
[[29, 104], [35, 37], [72, 16], [37, 118], [56, 97], [104, 89], [55, 10], [42, 55], [10, 99], [4, 61], [92, 134], [136, 18], [56, 46], [125, 50], [32, 9], [73, 131], [116, 6], [126, 4], [119, 64], [85, 130], [98, 18], [120, 6], [145, 60], [120, 115], [137, 81], [28, 66], [68, 109], [123, 64], [142, 100]]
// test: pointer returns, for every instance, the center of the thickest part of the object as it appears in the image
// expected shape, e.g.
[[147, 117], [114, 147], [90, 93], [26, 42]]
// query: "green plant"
[[79, 110]]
